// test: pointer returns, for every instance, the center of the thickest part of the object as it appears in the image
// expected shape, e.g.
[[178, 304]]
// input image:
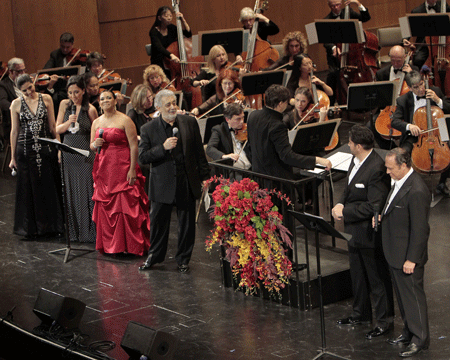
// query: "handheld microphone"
[[376, 213], [100, 135], [74, 111], [175, 131], [14, 171]]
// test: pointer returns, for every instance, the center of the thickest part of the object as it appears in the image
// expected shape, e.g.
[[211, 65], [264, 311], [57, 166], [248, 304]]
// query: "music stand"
[[310, 137], [62, 71], [257, 83], [119, 86], [231, 39], [63, 147], [206, 124], [320, 225]]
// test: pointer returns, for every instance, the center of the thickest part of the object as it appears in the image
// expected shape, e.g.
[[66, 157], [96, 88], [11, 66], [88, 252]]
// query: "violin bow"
[[73, 57], [105, 76], [215, 77], [285, 65], [229, 97], [165, 87], [304, 117]]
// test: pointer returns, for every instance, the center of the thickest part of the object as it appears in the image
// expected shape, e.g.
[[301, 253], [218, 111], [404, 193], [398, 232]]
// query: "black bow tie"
[[232, 130], [435, 7], [397, 70], [421, 97], [334, 16]]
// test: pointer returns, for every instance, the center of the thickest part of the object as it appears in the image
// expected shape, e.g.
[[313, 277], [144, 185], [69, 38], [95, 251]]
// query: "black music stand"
[[206, 124], [63, 147], [231, 39], [320, 226], [335, 31], [257, 83], [62, 71], [313, 137]]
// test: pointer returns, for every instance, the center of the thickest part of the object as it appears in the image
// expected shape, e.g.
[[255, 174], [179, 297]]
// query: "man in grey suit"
[[172, 144], [365, 192], [405, 232]]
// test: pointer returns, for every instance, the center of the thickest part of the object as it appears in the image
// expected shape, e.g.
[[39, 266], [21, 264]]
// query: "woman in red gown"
[[121, 204]]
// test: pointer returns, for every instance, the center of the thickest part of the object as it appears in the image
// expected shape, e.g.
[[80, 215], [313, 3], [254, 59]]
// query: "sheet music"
[[341, 161], [443, 131], [292, 134], [80, 151], [202, 125]]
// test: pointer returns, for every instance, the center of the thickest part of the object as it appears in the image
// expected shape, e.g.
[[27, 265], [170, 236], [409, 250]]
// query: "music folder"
[[335, 31], [231, 39], [207, 123], [315, 136], [257, 83]]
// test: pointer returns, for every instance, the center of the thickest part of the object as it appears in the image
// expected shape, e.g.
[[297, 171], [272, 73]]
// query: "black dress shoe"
[[145, 266], [442, 188], [412, 350], [378, 331], [352, 321], [401, 340], [183, 268]]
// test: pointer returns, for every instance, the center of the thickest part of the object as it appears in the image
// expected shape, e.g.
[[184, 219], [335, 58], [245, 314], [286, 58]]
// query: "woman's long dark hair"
[[292, 84], [78, 80], [159, 13]]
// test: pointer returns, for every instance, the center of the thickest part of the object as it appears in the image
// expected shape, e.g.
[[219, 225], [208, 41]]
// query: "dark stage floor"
[[211, 322]]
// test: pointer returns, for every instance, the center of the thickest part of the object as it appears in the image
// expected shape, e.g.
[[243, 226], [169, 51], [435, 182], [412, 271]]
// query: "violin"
[[235, 96], [78, 56], [112, 76], [42, 80], [241, 134]]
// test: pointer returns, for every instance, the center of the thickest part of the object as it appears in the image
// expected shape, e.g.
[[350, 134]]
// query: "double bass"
[[429, 154], [383, 122], [189, 66], [358, 62]]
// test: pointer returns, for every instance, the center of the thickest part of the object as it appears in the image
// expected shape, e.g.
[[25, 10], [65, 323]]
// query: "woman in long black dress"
[[74, 121], [163, 33], [38, 210]]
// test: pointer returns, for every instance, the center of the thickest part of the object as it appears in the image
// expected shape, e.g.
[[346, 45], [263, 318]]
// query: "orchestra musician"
[[143, 108], [301, 76], [217, 61], [58, 57], [227, 82], [421, 50], [332, 50], [156, 79], [294, 43], [225, 143], [163, 33], [266, 26], [92, 89], [407, 104]]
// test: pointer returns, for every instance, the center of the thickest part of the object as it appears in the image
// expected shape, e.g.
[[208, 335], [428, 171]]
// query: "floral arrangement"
[[249, 226]]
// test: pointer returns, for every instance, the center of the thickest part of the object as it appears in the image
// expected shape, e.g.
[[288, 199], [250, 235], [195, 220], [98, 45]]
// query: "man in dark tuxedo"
[[9, 92], [223, 143], [407, 104], [172, 144], [332, 50], [421, 51], [365, 192], [405, 232], [58, 56]]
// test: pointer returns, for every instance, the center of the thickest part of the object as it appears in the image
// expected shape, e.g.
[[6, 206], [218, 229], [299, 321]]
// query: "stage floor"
[[211, 322]]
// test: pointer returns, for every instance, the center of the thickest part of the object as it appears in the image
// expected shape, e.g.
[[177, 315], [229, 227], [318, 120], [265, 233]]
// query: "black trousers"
[[370, 275], [412, 303]]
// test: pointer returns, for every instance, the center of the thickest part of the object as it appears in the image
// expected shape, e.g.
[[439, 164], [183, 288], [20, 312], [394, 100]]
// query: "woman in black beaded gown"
[[38, 210], [75, 117]]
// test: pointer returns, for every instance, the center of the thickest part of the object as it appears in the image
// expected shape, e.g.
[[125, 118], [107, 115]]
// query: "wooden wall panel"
[[37, 30], [7, 47], [119, 10]]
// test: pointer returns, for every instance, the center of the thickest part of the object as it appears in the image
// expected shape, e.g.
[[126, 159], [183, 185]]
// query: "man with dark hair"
[[366, 190], [58, 56], [223, 143], [172, 144], [271, 152], [407, 105], [405, 232]]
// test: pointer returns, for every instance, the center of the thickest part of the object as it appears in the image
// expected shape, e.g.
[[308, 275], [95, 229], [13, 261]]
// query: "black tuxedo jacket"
[[163, 169], [384, 73], [7, 95], [221, 143], [369, 187], [271, 153], [404, 113], [56, 59], [405, 227], [362, 16]]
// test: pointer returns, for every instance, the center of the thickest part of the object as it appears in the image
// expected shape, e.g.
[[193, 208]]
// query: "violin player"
[[333, 52], [225, 143], [163, 33], [58, 57], [407, 105]]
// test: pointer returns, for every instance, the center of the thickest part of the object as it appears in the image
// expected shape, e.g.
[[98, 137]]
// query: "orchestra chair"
[[148, 49], [388, 37]]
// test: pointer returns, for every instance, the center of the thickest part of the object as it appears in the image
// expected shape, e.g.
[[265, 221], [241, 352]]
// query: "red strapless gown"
[[121, 210]]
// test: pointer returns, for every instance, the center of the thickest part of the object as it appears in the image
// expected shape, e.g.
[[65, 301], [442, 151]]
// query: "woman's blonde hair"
[[298, 36], [151, 69], [139, 97], [213, 54]]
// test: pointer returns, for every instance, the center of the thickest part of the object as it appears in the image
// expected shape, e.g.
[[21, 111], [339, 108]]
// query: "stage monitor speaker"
[[141, 340], [66, 311]]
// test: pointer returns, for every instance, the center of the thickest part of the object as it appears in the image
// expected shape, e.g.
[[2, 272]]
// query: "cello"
[[383, 122], [189, 66], [441, 59], [429, 154], [358, 62]]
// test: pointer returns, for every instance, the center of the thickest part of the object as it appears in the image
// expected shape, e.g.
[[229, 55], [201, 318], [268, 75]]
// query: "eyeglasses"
[[21, 71]]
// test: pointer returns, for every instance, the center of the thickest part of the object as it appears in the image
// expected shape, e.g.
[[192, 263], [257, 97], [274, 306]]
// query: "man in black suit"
[[332, 50], [365, 192], [58, 56], [172, 144], [407, 104], [405, 232], [223, 143], [422, 52], [9, 92]]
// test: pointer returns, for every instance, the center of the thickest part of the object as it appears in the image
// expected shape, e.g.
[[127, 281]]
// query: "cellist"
[[163, 33], [332, 50], [406, 107]]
